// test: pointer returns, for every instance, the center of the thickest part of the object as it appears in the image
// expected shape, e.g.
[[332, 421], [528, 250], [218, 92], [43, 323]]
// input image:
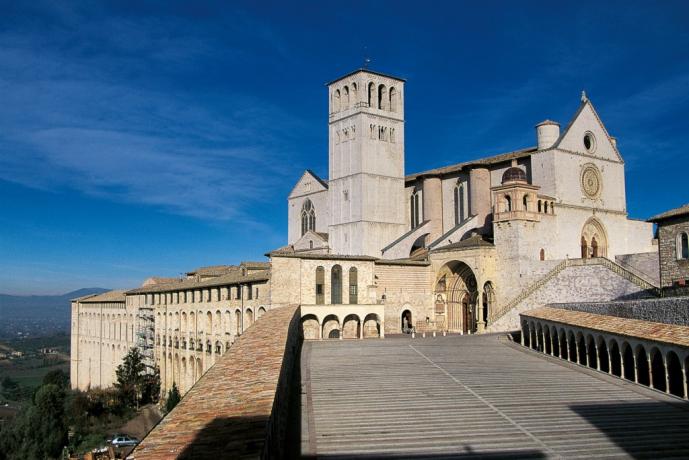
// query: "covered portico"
[[342, 321]]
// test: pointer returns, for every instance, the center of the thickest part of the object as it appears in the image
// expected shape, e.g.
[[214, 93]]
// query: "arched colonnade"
[[663, 367]]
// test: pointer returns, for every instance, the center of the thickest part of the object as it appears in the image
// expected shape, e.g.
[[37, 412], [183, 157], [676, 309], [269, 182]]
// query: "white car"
[[124, 441]]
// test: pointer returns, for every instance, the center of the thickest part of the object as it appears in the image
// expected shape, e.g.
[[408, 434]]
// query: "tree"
[[131, 377], [57, 377], [173, 397]]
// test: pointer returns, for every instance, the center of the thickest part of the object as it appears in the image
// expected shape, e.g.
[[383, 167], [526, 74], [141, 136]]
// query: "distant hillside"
[[48, 306]]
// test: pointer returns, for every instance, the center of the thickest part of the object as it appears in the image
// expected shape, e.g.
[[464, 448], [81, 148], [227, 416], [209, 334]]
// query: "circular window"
[[591, 181], [589, 142]]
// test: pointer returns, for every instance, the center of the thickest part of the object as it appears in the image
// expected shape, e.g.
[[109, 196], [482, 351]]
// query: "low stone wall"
[[240, 407], [667, 310]]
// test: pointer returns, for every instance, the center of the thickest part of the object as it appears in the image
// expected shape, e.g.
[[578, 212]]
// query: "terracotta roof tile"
[[659, 332]]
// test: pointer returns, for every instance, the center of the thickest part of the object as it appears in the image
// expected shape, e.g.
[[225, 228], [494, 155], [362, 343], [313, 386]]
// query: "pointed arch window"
[[459, 204], [308, 217], [415, 212]]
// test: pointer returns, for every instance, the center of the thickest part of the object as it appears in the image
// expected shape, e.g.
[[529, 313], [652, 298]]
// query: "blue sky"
[[148, 138]]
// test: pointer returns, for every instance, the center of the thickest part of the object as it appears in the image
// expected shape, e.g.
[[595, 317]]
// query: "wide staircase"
[[506, 317]]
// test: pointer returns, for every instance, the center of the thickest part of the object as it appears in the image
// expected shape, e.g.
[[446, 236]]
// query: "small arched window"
[[542, 255], [345, 98], [371, 94], [525, 202], [392, 135], [415, 210], [546, 207], [393, 99], [354, 94], [540, 206], [308, 217], [683, 246], [508, 203], [336, 101], [382, 97]]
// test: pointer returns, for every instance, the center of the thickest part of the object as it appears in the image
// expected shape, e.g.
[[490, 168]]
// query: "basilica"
[[373, 250]]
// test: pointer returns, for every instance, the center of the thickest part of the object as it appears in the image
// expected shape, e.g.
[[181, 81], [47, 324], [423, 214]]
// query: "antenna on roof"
[[367, 60]]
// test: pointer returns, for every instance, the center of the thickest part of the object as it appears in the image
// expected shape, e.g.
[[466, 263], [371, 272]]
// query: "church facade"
[[372, 250], [478, 232]]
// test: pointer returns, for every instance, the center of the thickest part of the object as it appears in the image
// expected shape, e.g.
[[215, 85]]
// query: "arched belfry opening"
[[457, 295], [594, 240]]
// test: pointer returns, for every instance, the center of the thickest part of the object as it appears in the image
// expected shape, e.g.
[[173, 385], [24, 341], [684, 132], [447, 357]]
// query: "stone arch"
[[603, 355], [183, 376], [457, 287], [615, 359], [547, 344], [591, 355], [564, 349], [238, 321], [534, 336], [372, 95], [372, 325], [487, 302], [351, 327], [310, 327], [658, 372], [331, 327], [199, 369], [594, 239], [581, 348], [249, 318], [394, 101], [382, 97], [261, 312], [345, 97], [675, 378], [336, 100], [555, 338], [642, 366], [406, 321], [526, 337]]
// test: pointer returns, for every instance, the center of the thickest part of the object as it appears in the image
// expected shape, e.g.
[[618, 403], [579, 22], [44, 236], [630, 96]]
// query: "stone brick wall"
[[671, 268], [644, 264], [574, 284], [239, 408], [668, 310]]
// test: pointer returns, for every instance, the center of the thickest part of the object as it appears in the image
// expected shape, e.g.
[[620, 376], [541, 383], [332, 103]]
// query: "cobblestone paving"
[[476, 396]]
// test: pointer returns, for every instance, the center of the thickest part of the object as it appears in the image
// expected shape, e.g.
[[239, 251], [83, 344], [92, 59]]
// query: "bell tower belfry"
[[366, 162]]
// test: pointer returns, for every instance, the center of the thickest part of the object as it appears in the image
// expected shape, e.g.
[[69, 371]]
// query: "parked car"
[[123, 441]]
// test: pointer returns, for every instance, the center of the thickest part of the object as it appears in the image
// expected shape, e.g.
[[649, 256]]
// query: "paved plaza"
[[475, 396]]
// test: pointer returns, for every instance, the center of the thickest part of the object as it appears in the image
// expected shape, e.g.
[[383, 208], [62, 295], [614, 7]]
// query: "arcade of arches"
[[661, 366]]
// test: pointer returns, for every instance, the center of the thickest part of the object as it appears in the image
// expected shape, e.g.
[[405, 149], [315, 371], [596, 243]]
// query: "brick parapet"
[[238, 408]]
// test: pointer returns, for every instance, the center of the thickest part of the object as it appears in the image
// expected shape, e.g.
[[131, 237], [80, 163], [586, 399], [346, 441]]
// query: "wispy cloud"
[[75, 116]]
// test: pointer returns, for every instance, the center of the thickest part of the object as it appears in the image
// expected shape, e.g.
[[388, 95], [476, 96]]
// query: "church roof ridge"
[[362, 69], [676, 212], [499, 158]]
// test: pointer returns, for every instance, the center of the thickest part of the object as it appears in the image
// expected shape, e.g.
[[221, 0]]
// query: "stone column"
[[433, 207], [684, 379], [650, 370], [479, 194], [667, 376]]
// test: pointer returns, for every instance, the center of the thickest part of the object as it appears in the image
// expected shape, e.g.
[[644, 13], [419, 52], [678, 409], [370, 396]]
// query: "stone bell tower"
[[366, 162]]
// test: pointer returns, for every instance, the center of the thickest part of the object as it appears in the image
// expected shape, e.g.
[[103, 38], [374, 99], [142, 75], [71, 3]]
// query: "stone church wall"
[[672, 268], [589, 283], [405, 288]]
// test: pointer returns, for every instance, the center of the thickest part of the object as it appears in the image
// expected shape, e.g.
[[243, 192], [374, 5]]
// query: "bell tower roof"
[[363, 70]]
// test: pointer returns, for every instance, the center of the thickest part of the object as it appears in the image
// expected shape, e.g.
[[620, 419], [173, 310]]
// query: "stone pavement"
[[476, 396]]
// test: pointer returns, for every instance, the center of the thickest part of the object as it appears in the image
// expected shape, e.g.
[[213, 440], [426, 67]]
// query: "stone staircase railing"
[[607, 263]]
